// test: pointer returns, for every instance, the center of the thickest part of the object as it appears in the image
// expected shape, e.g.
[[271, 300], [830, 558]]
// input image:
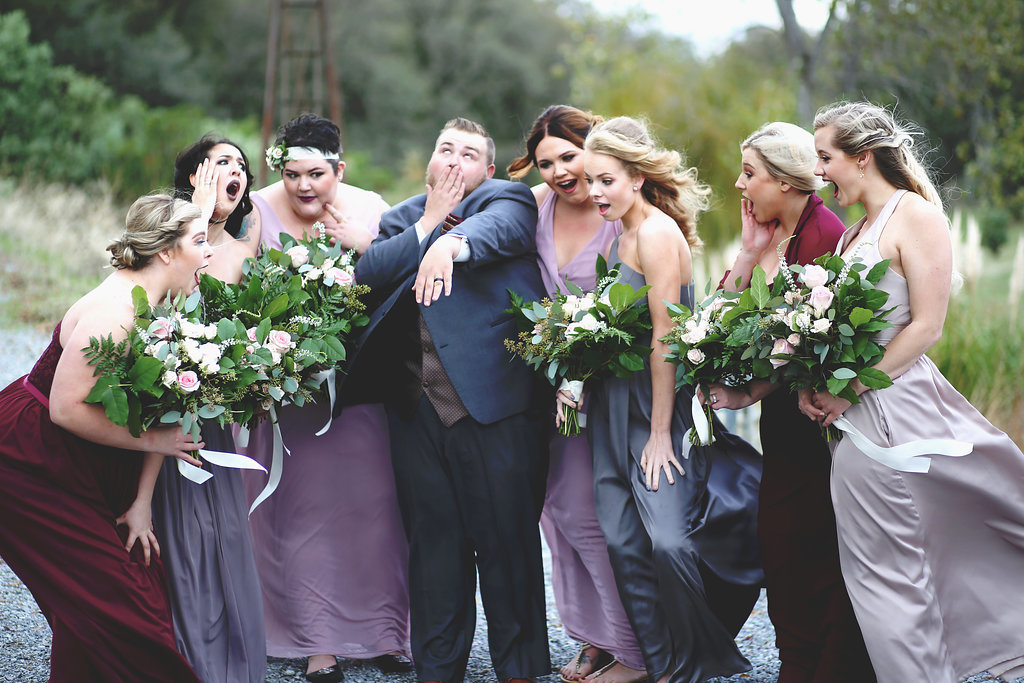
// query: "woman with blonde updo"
[[815, 628], [683, 546], [931, 545], [69, 474]]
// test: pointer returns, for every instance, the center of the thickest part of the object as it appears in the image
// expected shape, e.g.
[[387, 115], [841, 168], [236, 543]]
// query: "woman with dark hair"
[[684, 555], [931, 546], [570, 235], [815, 628], [68, 474], [204, 528], [329, 542]]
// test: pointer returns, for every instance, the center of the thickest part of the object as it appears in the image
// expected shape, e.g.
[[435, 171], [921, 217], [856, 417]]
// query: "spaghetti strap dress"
[[109, 612], [685, 557], [933, 560]]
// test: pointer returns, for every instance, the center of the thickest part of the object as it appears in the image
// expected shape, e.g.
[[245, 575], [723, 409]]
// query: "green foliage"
[[995, 229]]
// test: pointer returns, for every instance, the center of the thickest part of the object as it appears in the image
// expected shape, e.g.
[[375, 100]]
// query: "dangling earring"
[[862, 173], [635, 188]]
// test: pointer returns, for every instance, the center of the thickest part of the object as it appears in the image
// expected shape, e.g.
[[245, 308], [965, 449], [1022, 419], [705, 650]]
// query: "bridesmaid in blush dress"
[[570, 235], [329, 542], [816, 631], [69, 475], [933, 559]]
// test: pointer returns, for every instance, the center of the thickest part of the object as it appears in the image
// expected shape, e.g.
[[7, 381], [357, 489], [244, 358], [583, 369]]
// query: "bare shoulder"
[[106, 310], [916, 217], [661, 244], [540, 192]]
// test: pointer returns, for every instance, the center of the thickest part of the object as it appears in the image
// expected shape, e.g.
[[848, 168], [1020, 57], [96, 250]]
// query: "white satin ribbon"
[[574, 387], [329, 377], [700, 422], [905, 457], [276, 463], [219, 458]]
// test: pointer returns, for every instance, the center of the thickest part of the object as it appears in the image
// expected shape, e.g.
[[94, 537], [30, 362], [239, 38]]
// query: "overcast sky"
[[711, 24]]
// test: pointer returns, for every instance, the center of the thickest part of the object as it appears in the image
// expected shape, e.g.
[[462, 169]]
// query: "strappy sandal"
[[579, 655], [594, 675]]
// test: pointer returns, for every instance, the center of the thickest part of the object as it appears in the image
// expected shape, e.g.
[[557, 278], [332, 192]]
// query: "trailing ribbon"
[[276, 463], [905, 457], [329, 377], [219, 458], [701, 424]]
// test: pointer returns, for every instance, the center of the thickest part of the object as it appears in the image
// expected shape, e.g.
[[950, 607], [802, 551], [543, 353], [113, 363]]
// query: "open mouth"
[[568, 186], [603, 209], [232, 189], [307, 200]]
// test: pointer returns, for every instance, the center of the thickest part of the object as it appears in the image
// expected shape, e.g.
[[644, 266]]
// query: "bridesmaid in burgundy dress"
[[815, 628], [570, 235], [69, 475]]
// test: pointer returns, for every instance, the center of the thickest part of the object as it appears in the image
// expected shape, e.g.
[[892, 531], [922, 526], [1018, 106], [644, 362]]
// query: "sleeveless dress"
[[581, 574], [109, 612], [685, 556], [329, 542], [933, 561], [207, 551]]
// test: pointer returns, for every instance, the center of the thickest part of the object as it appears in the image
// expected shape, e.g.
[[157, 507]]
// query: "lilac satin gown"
[[329, 543], [933, 561], [581, 574]]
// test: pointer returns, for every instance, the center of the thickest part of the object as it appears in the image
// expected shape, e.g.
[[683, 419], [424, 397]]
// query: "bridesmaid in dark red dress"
[[69, 475], [817, 634]]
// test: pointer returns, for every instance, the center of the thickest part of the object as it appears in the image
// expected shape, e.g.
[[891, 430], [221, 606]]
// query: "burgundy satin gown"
[[109, 612]]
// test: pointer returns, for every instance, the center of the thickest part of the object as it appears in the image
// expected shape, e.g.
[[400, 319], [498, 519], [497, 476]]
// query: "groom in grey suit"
[[466, 435]]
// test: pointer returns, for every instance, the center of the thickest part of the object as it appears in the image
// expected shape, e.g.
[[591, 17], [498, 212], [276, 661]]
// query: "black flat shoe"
[[393, 664], [328, 674]]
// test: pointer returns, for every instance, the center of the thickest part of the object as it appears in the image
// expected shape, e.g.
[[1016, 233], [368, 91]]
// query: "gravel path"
[[25, 636]]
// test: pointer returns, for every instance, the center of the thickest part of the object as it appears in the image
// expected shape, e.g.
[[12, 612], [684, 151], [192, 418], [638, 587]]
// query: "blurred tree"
[[955, 67]]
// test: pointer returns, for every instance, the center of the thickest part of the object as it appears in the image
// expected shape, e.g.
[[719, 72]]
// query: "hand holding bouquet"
[[822, 337], [579, 335]]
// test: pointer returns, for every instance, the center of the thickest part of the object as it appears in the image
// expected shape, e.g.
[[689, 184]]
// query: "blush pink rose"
[[161, 328], [342, 278], [298, 254], [820, 299], [188, 381], [814, 276], [279, 341], [781, 346]]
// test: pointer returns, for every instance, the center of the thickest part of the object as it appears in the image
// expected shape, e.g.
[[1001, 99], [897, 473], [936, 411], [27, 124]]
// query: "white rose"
[[820, 298], [170, 378], [312, 274], [794, 339], [211, 331], [298, 254], [694, 336], [793, 298], [194, 330], [695, 356], [328, 264], [814, 276], [209, 368], [586, 303], [802, 321], [590, 323], [571, 330], [821, 326], [191, 347]]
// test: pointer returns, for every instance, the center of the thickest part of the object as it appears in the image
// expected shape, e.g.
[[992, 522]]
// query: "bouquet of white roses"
[[822, 336], [578, 335], [175, 368]]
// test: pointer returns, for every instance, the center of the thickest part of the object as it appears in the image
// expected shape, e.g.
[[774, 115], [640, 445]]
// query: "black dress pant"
[[471, 497]]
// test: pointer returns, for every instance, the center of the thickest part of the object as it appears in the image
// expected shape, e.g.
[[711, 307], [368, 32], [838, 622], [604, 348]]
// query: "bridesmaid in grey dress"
[[933, 557], [672, 551], [204, 528]]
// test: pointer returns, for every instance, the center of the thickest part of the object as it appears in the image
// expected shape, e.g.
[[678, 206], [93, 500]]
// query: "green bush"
[[994, 225]]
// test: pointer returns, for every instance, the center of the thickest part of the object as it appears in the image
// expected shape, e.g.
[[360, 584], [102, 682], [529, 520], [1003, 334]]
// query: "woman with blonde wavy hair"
[[931, 545], [684, 553], [69, 475]]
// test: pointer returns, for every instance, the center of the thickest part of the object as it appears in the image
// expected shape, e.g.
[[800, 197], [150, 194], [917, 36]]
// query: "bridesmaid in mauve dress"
[[204, 528], [329, 542], [684, 555], [571, 232], [816, 631], [933, 559], [69, 475]]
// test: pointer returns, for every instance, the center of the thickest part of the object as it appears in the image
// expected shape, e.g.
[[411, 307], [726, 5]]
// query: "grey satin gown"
[[216, 601], [666, 544]]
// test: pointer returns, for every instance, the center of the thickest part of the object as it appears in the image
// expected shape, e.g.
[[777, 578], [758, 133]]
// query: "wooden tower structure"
[[301, 76]]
